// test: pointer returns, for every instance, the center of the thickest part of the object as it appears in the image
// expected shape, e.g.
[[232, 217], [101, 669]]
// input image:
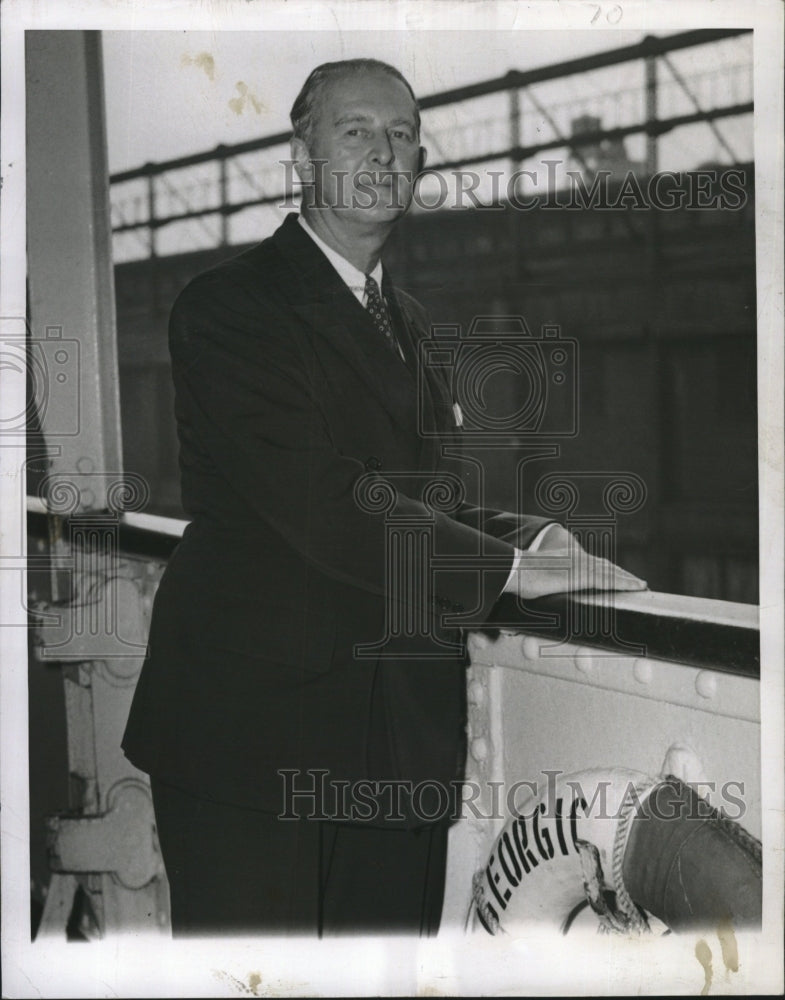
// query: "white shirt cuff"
[[536, 542]]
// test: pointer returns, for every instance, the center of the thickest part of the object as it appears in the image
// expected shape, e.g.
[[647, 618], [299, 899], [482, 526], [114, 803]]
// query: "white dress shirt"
[[349, 274], [354, 279]]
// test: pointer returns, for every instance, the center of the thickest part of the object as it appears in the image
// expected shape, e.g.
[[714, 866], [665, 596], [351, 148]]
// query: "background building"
[[656, 288]]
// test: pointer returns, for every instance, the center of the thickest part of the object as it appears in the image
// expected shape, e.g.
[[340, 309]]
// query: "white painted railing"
[[537, 705]]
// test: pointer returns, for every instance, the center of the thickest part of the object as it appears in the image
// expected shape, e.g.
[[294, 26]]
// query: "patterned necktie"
[[380, 315]]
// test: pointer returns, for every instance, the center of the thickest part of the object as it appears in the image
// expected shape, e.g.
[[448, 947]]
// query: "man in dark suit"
[[295, 367]]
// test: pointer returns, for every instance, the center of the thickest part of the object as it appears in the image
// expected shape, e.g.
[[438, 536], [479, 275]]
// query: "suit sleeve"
[[519, 530], [246, 397]]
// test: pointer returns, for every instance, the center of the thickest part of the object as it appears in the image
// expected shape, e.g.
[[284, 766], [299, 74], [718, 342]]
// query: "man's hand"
[[561, 565]]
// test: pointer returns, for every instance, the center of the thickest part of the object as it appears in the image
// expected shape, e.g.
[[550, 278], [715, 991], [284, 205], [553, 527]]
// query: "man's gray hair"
[[304, 109]]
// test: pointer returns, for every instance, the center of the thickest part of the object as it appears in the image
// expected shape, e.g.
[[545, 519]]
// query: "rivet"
[[531, 647], [706, 684], [642, 671], [584, 661], [476, 693]]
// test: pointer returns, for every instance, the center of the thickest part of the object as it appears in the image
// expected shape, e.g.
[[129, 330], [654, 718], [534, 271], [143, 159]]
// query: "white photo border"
[[536, 965]]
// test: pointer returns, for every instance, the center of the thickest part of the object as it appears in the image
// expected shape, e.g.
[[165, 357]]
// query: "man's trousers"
[[235, 870]]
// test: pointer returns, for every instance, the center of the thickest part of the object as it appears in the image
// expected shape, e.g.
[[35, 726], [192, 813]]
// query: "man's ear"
[[302, 160], [421, 159]]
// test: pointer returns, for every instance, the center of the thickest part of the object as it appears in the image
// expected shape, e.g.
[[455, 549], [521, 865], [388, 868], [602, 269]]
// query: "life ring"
[[630, 845]]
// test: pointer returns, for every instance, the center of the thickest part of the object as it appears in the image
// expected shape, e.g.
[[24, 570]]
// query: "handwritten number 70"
[[613, 15]]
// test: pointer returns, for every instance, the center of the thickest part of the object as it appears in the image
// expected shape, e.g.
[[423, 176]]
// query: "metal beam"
[[696, 104], [652, 110], [207, 156], [651, 45], [105, 845], [658, 127], [72, 306]]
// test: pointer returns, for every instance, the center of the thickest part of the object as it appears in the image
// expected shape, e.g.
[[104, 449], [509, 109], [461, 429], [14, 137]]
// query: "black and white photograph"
[[391, 428]]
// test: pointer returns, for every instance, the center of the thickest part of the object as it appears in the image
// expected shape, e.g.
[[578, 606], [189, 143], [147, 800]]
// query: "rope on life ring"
[[551, 857]]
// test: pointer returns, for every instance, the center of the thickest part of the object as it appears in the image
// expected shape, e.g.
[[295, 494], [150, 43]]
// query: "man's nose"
[[381, 150]]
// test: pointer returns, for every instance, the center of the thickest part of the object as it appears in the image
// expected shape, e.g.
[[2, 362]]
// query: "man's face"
[[364, 149]]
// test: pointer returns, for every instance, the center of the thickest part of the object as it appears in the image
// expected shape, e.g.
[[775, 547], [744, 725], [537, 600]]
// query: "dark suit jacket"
[[286, 396]]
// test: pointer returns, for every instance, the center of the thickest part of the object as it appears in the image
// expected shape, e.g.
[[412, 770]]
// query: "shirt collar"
[[351, 275]]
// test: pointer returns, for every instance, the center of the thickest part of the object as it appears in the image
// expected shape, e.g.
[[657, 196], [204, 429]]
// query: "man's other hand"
[[560, 565]]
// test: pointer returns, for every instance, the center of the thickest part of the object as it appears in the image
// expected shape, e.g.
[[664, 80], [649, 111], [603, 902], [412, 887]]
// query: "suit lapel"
[[433, 394], [322, 300], [403, 325], [432, 383]]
